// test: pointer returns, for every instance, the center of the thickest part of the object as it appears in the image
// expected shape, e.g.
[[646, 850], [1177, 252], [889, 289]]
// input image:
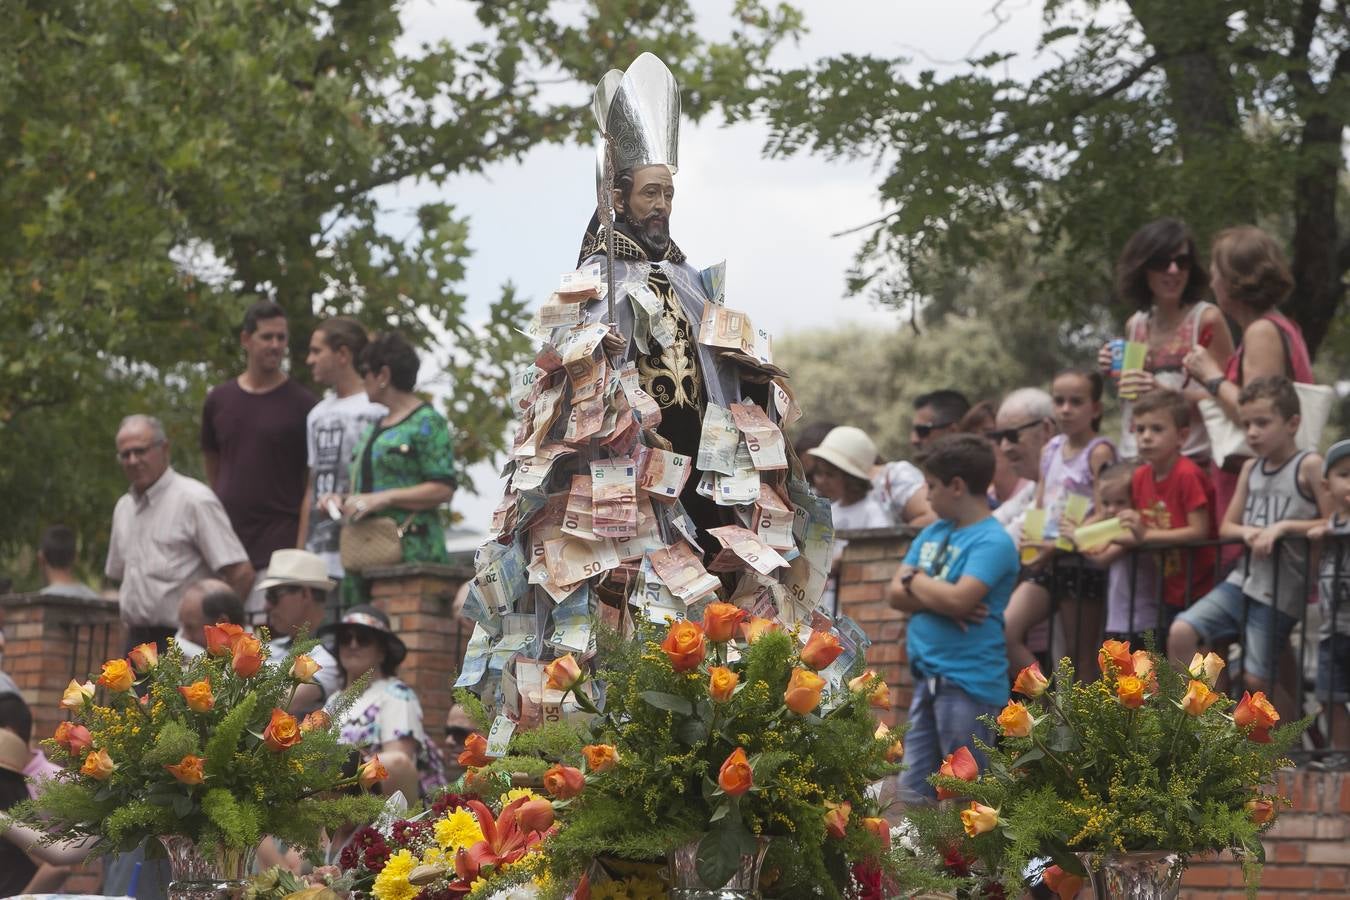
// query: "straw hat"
[[297, 567], [14, 753], [850, 449]]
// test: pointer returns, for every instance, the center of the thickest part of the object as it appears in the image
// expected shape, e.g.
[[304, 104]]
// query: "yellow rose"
[[1130, 691], [1198, 698], [198, 696], [1015, 720], [978, 819], [1030, 682], [684, 646], [600, 757], [98, 765], [803, 691], [117, 675], [76, 694], [563, 674], [878, 694], [1206, 668], [144, 657], [303, 668], [722, 683]]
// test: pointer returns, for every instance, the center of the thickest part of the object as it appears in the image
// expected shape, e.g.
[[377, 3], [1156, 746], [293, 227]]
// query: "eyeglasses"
[[924, 431], [275, 594], [1162, 263], [1011, 435], [131, 453], [360, 637], [457, 734]]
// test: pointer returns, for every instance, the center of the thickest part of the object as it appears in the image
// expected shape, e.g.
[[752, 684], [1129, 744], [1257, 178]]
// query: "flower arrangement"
[[721, 733], [1143, 758], [201, 749], [463, 844]]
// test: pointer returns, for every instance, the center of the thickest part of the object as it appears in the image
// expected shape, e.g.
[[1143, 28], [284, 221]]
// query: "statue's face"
[[647, 208]]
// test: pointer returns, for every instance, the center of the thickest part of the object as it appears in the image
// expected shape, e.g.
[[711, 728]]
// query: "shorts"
[[1333, 668], [1069, 576], [1218, 616]]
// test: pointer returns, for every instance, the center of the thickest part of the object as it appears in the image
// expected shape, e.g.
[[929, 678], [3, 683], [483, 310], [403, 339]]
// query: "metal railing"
[[1304, 667]]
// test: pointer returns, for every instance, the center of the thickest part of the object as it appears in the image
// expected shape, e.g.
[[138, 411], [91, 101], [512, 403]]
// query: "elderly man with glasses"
[[168, 531], [296, 591]]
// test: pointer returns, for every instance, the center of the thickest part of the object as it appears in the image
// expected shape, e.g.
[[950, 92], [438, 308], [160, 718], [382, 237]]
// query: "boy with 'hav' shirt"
[[1173, 500], [955, 581], [1333, 595], [1279, 495]]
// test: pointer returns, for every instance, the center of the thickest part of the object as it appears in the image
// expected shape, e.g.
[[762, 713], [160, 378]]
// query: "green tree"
[[1218, 111], [164, 164]]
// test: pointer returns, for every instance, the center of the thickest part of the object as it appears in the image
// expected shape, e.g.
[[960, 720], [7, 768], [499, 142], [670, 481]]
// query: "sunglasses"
[[457, 734], [360, 637], [1011, 435], [1162, 263], [274, 595], [924, 431]]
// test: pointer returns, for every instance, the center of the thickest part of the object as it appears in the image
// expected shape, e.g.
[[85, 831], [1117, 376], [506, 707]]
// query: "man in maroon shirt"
[[253, 441]]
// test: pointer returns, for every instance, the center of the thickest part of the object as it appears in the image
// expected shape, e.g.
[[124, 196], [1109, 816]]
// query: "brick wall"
[[1308, 850]]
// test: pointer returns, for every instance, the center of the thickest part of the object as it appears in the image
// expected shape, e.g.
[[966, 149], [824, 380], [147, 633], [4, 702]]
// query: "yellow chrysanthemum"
[[435, 856], [516, 794], [458, 830], [392, 882]]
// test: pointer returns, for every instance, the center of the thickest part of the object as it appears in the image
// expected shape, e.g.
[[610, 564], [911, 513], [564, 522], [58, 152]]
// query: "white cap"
[[850, 449]]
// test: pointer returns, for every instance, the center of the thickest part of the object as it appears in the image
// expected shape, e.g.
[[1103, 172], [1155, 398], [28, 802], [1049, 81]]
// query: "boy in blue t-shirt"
[[955, 581]]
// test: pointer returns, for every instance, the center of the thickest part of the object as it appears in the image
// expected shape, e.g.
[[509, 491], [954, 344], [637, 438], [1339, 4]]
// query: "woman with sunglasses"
[[386, 719], [1159, 272], [1250, 279]]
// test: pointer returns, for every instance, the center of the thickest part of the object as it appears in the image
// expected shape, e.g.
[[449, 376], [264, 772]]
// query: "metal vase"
[[1143, 875], [685, 883], [207, 872]]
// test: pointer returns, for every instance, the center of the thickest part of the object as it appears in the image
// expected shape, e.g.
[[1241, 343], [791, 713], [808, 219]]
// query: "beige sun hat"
[[297, 567], [14, 753], [850, 449]]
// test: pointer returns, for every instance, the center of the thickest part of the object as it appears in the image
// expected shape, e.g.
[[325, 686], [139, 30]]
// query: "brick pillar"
[[868, 564], [420, 601], [48, 641]]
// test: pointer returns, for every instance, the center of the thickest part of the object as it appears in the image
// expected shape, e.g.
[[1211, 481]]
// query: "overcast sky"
[[770, 219]]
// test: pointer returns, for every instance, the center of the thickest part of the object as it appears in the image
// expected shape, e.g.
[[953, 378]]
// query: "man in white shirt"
[[206, 602], [334, 427], [296, 589]]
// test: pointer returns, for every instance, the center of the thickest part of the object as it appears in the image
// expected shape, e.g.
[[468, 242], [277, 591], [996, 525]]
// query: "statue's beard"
[[652, 233]]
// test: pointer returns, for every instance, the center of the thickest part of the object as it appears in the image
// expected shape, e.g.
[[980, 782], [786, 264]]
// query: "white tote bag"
[[1226, 438]]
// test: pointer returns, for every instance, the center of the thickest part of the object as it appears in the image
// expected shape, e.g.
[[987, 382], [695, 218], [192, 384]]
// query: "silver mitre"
[[638, 112]]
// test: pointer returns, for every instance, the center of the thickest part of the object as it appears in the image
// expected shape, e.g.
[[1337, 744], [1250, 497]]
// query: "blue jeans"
[[1219, 617], [942, 719]]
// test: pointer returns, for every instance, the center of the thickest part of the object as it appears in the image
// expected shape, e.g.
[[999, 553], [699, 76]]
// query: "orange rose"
[[722, 683], [535, 815], [960, 764], [1130, 691], [563, 674], [978, 819], [98, 765], [76, 694], [1143, 668], [198, 696], [475, 751], [247, 654], [684, 646], [1260, 810], [117, 675], [803, 691], [220, 639], [735, 777], [600, 757], [720, 621], [758, 626], [475, 782], [1116, 654], [75, 738], [144, 657], [564, 782], [1256, 716], [189, 770], [878, 694], [316, 721], [1206, 668], [282, 732], [372, 772], [304, 668], [1066, 885], [1030, 682], [881, 828], [836, 817], [1015, 720], [1198, 698], [895, 749], [821, 649]]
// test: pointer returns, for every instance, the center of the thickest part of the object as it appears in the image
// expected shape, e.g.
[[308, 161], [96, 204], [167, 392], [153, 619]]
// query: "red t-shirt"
[[1168, 504]]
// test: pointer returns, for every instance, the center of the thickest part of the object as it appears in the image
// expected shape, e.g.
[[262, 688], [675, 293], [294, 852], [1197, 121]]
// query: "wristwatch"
[[1213, 385], [908, 578]]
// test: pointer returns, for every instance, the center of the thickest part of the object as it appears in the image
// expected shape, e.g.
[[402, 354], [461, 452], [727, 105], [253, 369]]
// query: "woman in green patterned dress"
[[404, 465]]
